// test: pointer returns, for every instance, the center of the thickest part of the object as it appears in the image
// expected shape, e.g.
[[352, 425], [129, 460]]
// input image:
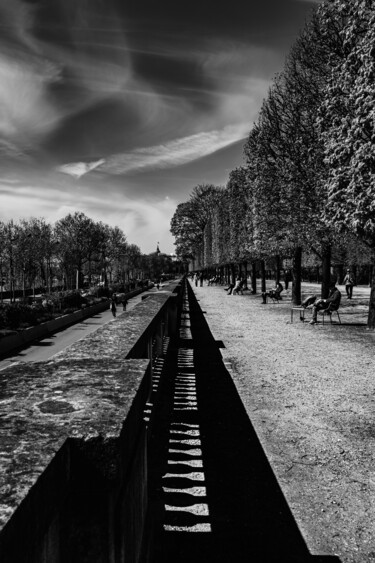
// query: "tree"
[[78, 238], [190, 220], [285, 153], [346, 121]]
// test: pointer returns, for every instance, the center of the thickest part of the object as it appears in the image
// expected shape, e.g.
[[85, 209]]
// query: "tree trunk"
[[297, 276], [371, 309], [253, 278], [340, 273], [277, 273], [326, 271], [227, 275], [245, 274], [233, 273], [263, 275]]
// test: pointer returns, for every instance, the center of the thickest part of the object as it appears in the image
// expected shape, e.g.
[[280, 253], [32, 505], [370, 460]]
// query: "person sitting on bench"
[[332, 303], [238, 287], [274, 293]]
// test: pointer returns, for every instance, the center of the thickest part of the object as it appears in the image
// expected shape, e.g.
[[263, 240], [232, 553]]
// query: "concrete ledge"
[[73, 458], [129, 335]]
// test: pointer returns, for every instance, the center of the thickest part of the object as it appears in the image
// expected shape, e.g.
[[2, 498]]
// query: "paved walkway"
[[309, 394], [41, 350]]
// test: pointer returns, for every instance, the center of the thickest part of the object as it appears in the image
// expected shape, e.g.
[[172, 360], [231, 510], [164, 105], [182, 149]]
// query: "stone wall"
[[73, 443]]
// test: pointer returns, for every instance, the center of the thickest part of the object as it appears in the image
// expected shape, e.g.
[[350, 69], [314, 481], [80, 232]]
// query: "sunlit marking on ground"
[[189, 462], [181, 396], [196, 509], [194, 491], [202, 527], [189, 424], [192, 442], [193, 476], [181, 382], [193, 452], [186, 432]]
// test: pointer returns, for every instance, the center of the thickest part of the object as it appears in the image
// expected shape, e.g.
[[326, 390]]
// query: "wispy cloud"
[[79, 169], [167, 155]]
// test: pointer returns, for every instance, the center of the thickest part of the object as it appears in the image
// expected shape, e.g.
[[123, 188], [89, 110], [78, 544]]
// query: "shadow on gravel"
[[249, 517]]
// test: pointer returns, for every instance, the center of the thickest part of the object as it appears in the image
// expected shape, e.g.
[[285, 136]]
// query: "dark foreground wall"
[[73, 443]]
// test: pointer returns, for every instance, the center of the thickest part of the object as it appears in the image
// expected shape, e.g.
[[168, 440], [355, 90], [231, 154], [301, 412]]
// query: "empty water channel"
[[213, 494]]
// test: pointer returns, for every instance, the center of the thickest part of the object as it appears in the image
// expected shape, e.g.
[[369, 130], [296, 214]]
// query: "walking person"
[[348, 281], [113, 307], [124, 304]]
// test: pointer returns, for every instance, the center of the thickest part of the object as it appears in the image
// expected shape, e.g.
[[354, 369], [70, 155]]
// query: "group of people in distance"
[[114, 299], [331, 303], [236, 288], [198, 278]]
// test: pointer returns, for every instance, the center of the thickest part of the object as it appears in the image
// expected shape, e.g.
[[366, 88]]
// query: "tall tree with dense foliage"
[[347, 124], [190, 220]]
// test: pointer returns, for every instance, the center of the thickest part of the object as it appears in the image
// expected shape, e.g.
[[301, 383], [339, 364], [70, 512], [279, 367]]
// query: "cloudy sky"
[[118, 108]]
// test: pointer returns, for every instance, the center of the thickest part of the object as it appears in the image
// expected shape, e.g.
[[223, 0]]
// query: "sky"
[[119, 108]]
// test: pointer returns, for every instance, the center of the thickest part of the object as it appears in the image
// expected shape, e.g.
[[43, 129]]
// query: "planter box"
[[15, 341]]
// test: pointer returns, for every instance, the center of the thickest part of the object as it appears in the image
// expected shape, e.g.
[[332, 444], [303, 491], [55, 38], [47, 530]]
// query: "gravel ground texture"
[[309, 391]]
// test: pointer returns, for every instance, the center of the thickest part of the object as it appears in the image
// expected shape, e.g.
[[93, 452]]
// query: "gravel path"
[[309, 392]]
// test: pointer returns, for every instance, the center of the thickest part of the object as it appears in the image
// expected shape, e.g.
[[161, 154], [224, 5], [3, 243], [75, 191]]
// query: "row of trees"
[[73, 252], [308, 179]]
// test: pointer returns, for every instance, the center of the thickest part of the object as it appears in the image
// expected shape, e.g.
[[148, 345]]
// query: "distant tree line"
[[74, 252], [308, 180]]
